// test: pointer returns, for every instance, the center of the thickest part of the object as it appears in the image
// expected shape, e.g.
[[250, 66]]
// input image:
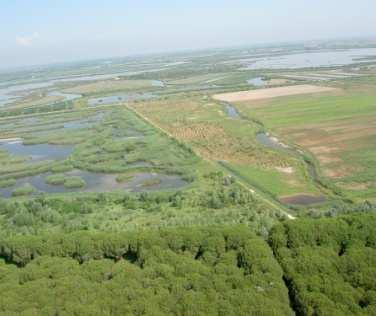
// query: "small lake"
[[231, 111], [39, 152], [257, 82], [100, 182], [120, 98]]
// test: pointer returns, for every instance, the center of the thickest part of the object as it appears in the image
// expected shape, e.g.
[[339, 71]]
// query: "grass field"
[[338, 129]]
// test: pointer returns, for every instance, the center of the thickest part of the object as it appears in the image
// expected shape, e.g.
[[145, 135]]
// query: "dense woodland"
[[215, 271], [329, 264]]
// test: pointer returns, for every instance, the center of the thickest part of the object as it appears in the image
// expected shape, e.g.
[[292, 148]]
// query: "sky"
[[36, 32]]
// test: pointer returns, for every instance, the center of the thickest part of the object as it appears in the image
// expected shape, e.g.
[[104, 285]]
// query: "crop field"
[[338, 130]]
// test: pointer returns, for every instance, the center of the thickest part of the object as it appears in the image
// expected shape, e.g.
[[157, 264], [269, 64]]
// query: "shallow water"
[[120, 98], [66, 96], [100, 182], [157, 83], [231, 111], [257, 82], [303, 199], [7, 95], [269, 142], [38, 152], [312, 59]]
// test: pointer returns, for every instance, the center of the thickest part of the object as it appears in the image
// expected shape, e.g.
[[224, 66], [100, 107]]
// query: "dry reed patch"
[[271, 93]]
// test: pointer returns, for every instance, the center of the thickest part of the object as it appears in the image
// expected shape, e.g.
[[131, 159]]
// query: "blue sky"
[[46, 31]]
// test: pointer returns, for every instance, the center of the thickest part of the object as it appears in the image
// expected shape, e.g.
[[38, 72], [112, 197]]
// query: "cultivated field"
[[339, 131]]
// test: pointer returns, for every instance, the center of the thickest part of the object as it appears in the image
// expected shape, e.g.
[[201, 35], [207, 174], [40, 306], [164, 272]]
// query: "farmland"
[[338, 130]]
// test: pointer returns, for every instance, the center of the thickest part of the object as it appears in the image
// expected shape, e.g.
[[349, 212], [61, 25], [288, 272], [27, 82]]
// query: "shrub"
[[74, 182], [7, 183], [56, 179], [26, 189]]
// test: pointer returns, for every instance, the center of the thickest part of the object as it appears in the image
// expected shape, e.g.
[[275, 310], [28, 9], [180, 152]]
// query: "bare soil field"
[[271, 93]]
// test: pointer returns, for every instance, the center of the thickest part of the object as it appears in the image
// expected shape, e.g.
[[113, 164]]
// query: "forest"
[[329, 264], [211, 271]]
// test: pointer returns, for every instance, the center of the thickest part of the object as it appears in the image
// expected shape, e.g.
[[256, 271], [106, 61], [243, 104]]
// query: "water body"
[[231, 111], [84, 123], [270, 142], [120, 98], [137, 184], [257, 82], [303, 199], [39, 152], [9, 94], [100, 182], [66, 96], [158, 83], [312, 59]]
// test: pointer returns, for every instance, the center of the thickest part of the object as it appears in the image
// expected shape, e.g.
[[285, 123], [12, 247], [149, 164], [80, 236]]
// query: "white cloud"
[[27, 40]]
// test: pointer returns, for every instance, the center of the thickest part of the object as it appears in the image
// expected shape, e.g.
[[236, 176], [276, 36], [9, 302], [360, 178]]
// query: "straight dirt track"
[[270, 93]]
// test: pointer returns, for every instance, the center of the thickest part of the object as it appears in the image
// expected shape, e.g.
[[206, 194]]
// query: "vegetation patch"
[[26, 189], [74, 182], [171, 272], [329, 264], [7, 183], [56, 179]]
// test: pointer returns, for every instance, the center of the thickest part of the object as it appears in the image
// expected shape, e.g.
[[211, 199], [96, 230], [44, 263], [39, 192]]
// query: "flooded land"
[[109, 129]]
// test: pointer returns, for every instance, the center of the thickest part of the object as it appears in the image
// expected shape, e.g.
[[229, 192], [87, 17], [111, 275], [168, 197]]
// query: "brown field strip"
[[271, 93]]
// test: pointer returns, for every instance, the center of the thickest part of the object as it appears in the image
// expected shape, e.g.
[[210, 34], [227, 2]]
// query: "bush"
[[124, 177], [7, 183], [26, 189], [56, 179], [74, 183]]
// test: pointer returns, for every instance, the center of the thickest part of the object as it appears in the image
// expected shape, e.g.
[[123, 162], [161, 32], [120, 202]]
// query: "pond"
[[100, 182], [303, 199], [231, 111], [257, 82], [84, 123], [120, 98], [39, 152]]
